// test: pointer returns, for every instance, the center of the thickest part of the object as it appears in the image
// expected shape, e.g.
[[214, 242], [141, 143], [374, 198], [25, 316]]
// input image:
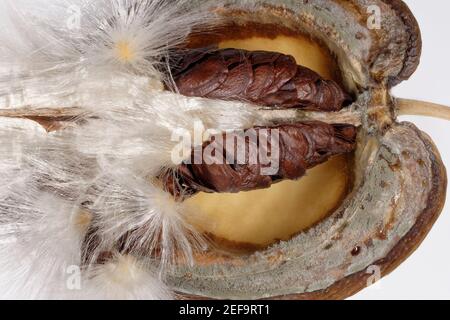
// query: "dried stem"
[[50, 113], [422, 108]]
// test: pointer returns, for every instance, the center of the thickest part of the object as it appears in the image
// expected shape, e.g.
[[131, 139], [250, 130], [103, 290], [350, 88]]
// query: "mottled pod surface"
[[399, 182]]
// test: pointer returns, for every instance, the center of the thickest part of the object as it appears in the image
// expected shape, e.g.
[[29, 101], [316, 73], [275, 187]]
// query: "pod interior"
[[249, 221]]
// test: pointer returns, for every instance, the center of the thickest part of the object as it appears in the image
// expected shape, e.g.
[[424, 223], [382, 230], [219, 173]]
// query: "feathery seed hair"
[[79, 211]]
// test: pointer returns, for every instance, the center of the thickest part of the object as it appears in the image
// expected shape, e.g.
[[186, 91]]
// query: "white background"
[[426, 274]]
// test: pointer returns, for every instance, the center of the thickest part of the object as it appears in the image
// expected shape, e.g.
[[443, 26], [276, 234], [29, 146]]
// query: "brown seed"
[[301, 146], [264, 78]]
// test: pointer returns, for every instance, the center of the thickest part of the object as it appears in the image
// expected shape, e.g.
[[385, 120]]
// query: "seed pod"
[[264, 78], [398, 180], [300, 146]]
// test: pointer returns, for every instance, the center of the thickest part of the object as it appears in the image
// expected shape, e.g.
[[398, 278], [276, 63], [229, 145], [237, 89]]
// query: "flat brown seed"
[[285, 69], [204, 79], [236, 81]]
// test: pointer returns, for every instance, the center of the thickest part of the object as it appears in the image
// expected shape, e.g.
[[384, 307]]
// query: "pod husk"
[[400, 182]]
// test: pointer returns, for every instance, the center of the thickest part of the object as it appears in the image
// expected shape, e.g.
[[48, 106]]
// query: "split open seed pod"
[[352, 219]]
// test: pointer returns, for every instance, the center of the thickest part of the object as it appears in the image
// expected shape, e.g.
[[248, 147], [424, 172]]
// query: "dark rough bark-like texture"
[[300, 146], [264, 78]]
